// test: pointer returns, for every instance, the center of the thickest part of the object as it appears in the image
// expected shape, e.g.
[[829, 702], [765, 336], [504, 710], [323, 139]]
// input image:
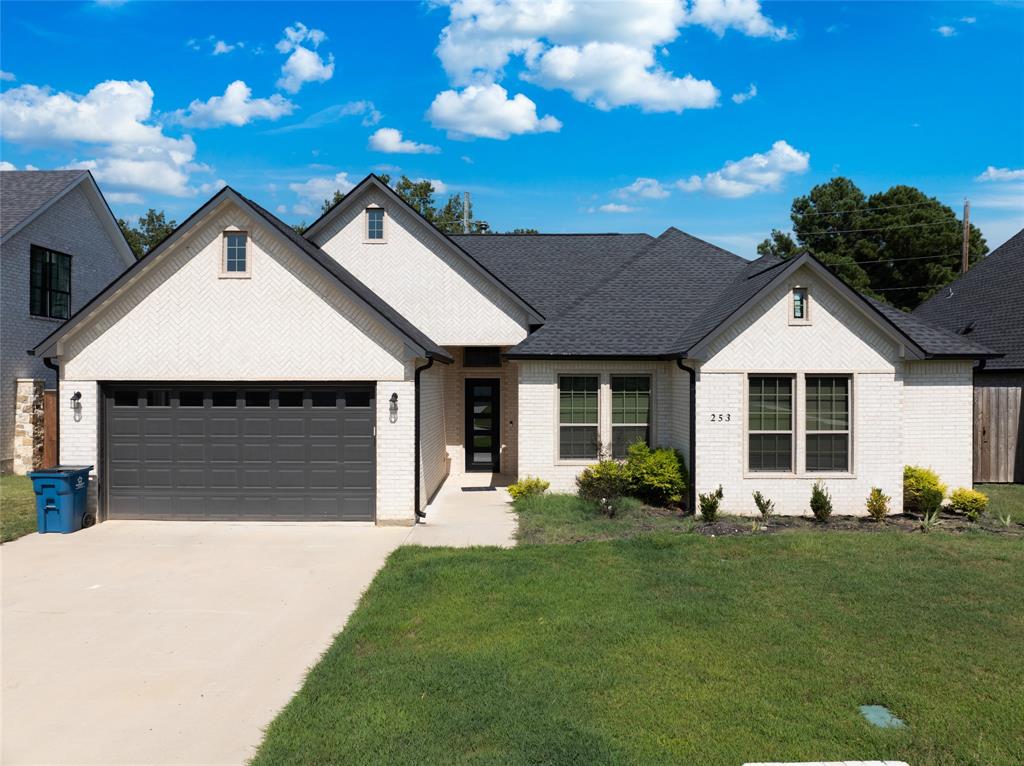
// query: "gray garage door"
[[240, 452]]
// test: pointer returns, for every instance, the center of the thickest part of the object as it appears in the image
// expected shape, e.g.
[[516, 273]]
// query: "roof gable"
[[985, 304], [320, 226], [25, 195], [352, 287]]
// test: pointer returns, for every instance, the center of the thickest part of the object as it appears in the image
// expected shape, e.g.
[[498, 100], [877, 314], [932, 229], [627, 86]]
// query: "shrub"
[[527, 486], [930, 514], [821, 502], [918, 486], [656, 476], [709, 503], [878, 504], [764, 505], [603, 483], [624, 506], [969, 502]]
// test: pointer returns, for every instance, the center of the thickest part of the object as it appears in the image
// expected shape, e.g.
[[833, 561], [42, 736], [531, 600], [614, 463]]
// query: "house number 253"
[[720, 418]]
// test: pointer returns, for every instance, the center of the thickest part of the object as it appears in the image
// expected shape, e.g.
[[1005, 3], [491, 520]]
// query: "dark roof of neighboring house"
[[349, 279], [645, 307], [986, 305], [552, 270], [24, 192]]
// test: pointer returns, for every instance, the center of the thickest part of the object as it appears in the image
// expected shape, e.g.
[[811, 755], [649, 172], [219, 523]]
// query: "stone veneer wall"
[[28, 426]]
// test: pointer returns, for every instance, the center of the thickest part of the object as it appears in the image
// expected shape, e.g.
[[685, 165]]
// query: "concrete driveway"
[[169, 642]]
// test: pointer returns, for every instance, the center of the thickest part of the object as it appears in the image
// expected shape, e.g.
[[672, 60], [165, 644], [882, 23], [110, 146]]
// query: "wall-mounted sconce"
[[76, 405], [393, 408]]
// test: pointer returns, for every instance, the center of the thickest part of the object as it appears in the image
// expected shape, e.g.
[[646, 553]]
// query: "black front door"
[[483, 438]]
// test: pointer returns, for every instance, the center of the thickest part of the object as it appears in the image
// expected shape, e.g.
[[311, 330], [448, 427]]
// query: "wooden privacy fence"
[[998, 427], [50, 455]]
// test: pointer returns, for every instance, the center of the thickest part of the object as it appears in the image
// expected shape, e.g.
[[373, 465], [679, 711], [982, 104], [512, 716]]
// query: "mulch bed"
[[743, 525]]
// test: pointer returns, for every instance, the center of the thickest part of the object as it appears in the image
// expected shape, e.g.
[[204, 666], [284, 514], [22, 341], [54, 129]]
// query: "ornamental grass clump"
[[821, 502], [878, 504], [709, 503]]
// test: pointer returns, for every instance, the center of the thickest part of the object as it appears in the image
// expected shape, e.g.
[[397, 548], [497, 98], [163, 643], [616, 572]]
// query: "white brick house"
[[243, 371], [52, 223]]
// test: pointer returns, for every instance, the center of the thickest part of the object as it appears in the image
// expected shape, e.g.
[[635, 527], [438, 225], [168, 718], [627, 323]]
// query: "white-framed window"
[[799, 306], [236, 260], [631, 412], [827, 423], [375, 225], [770, 423], [578, 417]]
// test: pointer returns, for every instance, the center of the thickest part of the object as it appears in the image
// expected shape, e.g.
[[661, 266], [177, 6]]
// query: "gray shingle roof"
[[935, 341], [551, 271], [990, 300], [644, 308], [23, 192]]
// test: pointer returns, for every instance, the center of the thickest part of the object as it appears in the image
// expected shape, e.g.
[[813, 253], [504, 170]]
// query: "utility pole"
[[965, 258], [465, 212]]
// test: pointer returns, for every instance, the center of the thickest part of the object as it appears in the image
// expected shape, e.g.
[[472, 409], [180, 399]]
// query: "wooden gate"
[[50, 455], [998, 427]]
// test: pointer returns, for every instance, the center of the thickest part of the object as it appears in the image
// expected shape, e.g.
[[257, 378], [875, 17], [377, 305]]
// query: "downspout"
[[692, 489], [55, 366], [416, 430]]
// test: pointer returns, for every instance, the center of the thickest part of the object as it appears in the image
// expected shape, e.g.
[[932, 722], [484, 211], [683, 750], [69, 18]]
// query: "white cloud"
[[1006, 197], [486, 111], [742, 15], [969, 19], [753, 174], [440, 187], [115, 117], [314, 191], [220, 47], [5, 165], [390, 140], [643, 187], [613, 207], [749, 93], [993, 173], [7, 76], [236, 107], [467, 159], [282, 209], [212, 186], [365, 109], [601, 52], [946, 31], [303, 64], [609, 75], [124, 198]]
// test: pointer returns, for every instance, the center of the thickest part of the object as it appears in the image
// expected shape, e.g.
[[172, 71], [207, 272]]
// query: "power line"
[[908, 287], [867, 209], [881, 228], [908, 258]]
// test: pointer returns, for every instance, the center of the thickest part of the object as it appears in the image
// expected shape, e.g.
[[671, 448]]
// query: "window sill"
[[235, 275], [799, 322], [375, 241], [577, 461], [46, 319], [806, 475]]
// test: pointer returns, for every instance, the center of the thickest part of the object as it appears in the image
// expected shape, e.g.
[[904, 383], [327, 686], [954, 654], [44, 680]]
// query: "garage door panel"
[[305, 454]]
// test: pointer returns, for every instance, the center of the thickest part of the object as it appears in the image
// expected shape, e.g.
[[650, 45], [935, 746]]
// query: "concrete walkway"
[[471, 509], [138, 642]]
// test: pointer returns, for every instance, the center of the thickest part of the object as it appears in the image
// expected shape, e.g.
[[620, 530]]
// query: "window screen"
[[374, 223], [631, 410], [49, 283], [770, 424], [577, 417], [235, 256], [828, 423]]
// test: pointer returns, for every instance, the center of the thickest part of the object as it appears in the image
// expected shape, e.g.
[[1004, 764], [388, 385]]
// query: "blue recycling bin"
[[62, 496]]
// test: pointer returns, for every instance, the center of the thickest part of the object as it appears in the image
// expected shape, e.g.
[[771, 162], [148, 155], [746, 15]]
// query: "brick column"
[[28, 426]]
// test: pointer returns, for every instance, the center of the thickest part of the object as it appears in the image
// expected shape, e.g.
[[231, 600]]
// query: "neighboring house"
[[240, 370], [986, 305], [59, 246]]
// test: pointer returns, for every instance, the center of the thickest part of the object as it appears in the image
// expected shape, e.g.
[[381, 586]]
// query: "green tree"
[[329, 203], [153, 228], [898, 245]]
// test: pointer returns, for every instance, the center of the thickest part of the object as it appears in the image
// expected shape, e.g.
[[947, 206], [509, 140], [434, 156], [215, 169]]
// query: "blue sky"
[[561, 116]]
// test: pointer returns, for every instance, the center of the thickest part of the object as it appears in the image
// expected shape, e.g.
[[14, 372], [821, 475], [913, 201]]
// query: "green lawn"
[[1005, 499], [676, 649], [559, 518], [17, 508]]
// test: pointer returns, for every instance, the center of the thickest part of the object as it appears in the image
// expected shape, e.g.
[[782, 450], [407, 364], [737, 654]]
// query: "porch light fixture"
[[76, 405], [393, 408]]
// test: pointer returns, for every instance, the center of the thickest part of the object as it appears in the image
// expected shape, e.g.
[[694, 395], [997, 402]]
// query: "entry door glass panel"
[[483, 439]]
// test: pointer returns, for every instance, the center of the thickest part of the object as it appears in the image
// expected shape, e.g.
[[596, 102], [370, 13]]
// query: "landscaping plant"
[[878, 504], [656, 476], [603, 483], [527, 486], [709, 503], [931, 506], [969, 502], [918, 486], [764, 505], [821, 502]]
